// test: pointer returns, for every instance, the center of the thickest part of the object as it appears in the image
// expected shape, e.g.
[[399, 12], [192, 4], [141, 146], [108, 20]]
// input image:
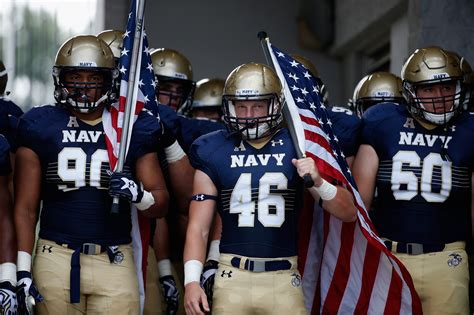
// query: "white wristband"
[[147, 201], [214, 252], [8, 273], [326, 191], [23, 261], [192, 271], [164, 268], [174, 152]]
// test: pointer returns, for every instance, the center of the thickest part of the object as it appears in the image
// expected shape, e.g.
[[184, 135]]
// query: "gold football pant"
[[239, 291], [441, 279], [106, 288]]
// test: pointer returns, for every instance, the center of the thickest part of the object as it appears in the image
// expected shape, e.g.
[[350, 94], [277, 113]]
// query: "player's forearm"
[[159, 207], [7, 229], [25, 224], [196, 243], [182, 174], [341, 205]]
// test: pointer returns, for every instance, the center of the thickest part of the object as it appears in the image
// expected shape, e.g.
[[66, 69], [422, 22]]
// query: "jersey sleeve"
[[201, 154], [146, 134], [28, 130], [372, 120], [5, 167]]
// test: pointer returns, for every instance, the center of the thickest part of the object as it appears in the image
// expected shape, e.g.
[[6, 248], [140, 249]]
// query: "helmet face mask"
[[435, 107], [176, 93], [174, 75], [248, 85], [84, 74], [433, 85]]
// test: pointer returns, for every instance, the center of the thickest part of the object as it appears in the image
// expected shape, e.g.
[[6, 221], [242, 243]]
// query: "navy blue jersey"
[[347, 128], [258, 192], [5, 167], [193, 128], [9, 114], [424, 177], [75, 174]]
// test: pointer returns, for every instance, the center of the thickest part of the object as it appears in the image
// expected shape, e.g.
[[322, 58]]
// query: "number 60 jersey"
[[424, 176], [75, 174], [258, 192]]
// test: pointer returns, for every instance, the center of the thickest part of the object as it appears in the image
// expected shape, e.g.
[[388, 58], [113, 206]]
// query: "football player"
[[207, 102], [84, 260], [251, 174], [9, 111], [8, 280], [377, 87], [417, 158]]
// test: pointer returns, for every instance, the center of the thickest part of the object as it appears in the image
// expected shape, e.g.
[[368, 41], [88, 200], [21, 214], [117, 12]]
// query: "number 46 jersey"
[[75, 174], [258, 192], [424, 176]]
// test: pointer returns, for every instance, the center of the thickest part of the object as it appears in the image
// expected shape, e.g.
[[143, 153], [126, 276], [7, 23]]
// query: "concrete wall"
[[449, 24], [217, 36]]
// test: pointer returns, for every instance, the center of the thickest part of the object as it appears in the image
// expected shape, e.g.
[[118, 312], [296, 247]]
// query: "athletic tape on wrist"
[[147, 201], [164, 268], [326, 191], [174, 152], [192, 271], [214, 252], [8, 273], [23, 261]]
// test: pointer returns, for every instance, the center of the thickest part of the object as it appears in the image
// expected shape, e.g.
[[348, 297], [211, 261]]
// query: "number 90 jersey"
[[75, 174], [424, 176], [259, 192]]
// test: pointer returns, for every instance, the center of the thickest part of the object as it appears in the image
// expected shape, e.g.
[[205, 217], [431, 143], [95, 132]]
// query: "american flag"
[[113, 121], [354, 273]]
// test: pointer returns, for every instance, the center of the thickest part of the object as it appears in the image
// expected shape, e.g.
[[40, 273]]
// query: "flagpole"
[[308, 181], [131, 94]]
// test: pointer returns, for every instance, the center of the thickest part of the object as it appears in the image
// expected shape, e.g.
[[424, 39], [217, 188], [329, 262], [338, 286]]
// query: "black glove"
[[207, 278], [170, 293], [8, 303], [27, 293], [124, 186]]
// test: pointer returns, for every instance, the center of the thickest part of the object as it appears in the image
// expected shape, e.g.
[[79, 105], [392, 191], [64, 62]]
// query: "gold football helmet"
[[84, 53], [428, 66], [378, 87], [208, 95], [312, 69], [253, 81], [114, 39], [3, 78], [174, 74]]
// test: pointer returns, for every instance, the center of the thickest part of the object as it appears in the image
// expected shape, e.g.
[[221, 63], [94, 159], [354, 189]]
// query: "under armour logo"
[[199, 197], [274, 143], [72, 122], [47, 248], [409, 123], [227, 274], [453, 128]]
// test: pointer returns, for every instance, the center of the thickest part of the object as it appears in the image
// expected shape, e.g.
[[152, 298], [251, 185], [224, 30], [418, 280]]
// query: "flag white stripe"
[[330, 255], [313, 259], [350, 297]]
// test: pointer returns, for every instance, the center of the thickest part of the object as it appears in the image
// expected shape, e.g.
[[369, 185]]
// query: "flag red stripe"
[[371, 264], [393, 305], [342, 270], [304, 231]]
